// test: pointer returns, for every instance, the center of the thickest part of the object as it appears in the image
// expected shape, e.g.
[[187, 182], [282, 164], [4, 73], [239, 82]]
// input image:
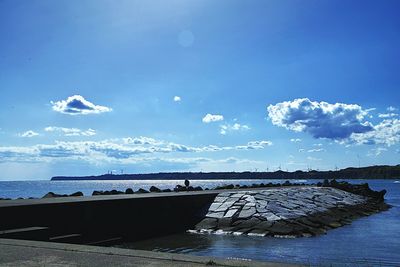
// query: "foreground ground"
[[35, 253]]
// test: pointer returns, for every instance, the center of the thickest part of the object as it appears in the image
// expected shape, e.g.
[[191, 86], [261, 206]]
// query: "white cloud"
[[316, 150], [212, 118], [111, 150], [295, 140], [225, 128], [71, 131], [320, 119], [387, 115], [392, 109], [29, 134], [142, 140], [177, 98], [77, 105], [376, 151], [313, 159], [385, 133]]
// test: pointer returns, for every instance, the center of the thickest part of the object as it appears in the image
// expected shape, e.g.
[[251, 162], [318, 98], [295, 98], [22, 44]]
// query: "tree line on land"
[[371, 172]]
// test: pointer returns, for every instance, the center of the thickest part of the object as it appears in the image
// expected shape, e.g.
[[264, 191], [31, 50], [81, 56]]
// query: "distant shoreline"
[[371, 172]]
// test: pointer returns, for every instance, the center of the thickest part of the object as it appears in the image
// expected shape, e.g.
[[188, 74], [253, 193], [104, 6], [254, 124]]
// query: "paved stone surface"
[[34, 253], [282, 211]]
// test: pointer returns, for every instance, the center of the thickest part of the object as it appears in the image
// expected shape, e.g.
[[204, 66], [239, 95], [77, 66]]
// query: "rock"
[[335, 224], [77, 194], [224, 222], [281, 228], [207, 223], [51, 194], [116, 192], [286, 183], [246, 213], [289, 211], [217, 215], [231, 213], [230, 186], [129, 191], [179, 188], [317, 231], [258, 232], [97, 193], [154, 189], [265, 225], [167, 190], [225, 206], [250, 223], [141, 191]]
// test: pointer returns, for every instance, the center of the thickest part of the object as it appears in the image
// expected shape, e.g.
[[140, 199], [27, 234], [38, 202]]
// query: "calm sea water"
[[15, 189], [369, 241]]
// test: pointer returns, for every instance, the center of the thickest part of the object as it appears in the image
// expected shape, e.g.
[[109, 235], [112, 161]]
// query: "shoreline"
[[371, 172]]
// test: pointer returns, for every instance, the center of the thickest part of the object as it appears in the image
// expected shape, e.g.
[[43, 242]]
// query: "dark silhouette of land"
[[371, 172]]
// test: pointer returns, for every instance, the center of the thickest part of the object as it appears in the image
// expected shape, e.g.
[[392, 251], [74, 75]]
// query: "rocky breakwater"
[[285, 212]]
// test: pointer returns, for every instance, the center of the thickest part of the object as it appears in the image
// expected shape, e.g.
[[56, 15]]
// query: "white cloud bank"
[[77, 105], [387, 115], [70, 131], [344, 123], [385, 133], [225, 128], [28, 134], [212, 118], [320, 119], [112, 150]]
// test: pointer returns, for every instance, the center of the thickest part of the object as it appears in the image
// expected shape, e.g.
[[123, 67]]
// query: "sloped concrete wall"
[[131, 217]]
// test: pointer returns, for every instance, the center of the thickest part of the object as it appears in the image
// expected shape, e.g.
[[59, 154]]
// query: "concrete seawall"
[[107, 219], [89, 220], [115, 219]]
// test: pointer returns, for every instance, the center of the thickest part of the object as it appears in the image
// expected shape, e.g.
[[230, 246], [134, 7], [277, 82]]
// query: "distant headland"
[[371, 172]]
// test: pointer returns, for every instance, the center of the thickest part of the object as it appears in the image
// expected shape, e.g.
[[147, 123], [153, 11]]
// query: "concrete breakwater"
[[102, 219], [286, 212], [127, 217]]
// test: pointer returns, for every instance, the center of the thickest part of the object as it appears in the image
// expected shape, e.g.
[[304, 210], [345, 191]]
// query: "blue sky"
[[149, 86]]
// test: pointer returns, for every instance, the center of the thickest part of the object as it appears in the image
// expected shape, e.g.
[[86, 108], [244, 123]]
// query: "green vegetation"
[[372, 172]]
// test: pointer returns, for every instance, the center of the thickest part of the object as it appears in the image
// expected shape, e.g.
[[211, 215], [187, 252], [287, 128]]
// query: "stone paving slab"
[[35, 253]]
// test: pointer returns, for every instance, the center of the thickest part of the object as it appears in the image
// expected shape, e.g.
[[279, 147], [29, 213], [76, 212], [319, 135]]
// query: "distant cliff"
[[372, 172]]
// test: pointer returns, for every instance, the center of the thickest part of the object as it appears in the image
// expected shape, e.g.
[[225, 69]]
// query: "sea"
[[369, 241]]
